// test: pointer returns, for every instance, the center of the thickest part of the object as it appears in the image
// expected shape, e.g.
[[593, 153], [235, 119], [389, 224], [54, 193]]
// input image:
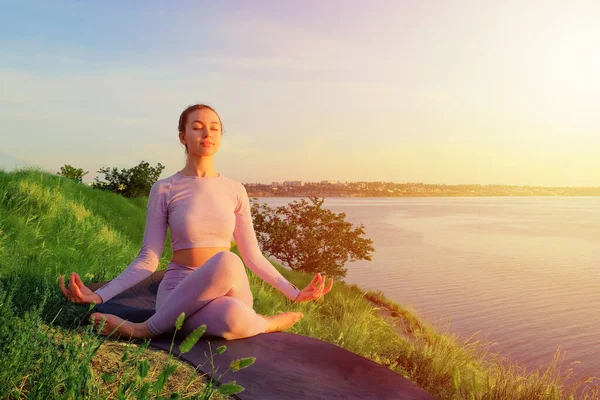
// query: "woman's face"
[[202, 133]]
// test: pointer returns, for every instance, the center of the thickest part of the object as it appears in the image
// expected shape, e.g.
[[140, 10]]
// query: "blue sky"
[[419, 91]]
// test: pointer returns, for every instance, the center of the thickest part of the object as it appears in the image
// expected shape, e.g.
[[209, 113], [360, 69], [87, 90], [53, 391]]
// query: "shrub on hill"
[[132, 182], [71, 172]]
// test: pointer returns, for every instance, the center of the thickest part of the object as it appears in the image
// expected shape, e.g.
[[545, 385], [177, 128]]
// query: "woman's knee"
[[229, 262]]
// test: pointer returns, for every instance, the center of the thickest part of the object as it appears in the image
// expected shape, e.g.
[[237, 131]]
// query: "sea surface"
[[521, 272]]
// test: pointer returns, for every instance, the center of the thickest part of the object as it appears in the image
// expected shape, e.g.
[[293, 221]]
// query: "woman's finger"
[[63, 288], [74, 288], [78, 281], [71, 283], [330, 286], [316, 281], [78, 293], [324, 290], [322, 285], [317, 286]]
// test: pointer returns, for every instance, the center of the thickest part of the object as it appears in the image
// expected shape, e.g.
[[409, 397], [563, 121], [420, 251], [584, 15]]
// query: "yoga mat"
[[287, 366]]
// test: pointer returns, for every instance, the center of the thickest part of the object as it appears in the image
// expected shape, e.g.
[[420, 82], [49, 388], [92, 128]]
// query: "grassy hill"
[[50, 225]]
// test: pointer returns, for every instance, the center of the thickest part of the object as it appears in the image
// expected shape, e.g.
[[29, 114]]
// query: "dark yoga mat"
[[287, 366]]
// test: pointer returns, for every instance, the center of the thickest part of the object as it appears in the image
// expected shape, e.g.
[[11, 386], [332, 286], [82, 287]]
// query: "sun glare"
[[578, 60]]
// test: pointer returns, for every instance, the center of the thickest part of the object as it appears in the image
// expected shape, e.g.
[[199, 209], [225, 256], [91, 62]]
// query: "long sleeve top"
[[200, 212]]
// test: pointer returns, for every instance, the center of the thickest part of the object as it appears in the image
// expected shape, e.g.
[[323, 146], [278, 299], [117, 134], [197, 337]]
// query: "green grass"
[[50, 225]]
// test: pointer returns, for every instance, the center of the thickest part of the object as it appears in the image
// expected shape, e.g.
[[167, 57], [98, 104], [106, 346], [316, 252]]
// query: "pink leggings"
[[216, 294]]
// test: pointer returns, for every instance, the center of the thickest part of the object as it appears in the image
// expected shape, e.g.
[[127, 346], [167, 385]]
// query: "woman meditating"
[[203, 279]]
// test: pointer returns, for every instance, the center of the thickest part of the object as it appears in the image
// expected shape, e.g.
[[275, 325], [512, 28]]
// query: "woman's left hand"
[[315, 289]]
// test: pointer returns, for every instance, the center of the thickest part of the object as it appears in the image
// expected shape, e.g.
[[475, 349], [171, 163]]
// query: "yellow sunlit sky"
[[489, 92]]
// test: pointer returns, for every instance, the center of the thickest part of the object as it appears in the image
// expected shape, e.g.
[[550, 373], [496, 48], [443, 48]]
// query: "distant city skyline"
[[449, 92]]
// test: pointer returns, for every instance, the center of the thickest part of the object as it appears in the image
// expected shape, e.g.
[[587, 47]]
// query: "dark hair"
[[184, 115]]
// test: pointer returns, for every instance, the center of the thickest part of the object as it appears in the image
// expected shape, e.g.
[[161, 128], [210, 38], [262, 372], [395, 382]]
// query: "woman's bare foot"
[[125, 328], [283, 321]]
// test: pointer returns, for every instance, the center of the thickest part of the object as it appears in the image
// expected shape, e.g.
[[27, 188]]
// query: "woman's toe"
[[95, 316]]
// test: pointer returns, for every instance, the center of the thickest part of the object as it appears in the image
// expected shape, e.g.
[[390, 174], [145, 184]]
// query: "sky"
[[450, 92]]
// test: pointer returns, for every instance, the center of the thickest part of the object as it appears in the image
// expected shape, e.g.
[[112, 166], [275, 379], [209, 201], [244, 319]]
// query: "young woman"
[[202, 208]]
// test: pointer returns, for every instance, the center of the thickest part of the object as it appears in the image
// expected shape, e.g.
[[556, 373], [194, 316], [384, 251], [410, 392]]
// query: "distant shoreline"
[[426, 196], [391, 190]]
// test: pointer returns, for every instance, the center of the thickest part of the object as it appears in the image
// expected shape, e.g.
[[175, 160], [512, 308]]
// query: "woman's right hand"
[[78, 292]]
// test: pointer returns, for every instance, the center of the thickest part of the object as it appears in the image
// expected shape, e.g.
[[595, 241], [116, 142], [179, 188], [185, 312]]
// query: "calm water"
[[524, 272]]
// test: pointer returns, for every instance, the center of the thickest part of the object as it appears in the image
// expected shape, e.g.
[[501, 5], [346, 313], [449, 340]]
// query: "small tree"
[[309, 238], [72, 173], [132, 182]]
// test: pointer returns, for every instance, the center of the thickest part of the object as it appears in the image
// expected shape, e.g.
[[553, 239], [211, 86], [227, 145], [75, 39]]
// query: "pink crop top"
[[200, 212]]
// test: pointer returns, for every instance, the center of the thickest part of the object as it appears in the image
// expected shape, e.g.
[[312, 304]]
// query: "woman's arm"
[[245, 238], [149, 255]]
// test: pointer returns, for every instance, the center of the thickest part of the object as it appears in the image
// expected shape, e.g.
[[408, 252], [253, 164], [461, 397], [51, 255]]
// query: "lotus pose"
[[203, 279]]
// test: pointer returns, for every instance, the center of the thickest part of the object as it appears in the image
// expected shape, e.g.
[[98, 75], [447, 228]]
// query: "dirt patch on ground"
[[404, 326]]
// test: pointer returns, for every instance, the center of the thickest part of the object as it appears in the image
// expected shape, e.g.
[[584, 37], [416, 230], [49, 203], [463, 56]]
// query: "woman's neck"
[[200, 167]]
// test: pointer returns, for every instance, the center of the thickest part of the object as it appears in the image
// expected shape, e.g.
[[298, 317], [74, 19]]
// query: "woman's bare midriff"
[[196, 257]]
